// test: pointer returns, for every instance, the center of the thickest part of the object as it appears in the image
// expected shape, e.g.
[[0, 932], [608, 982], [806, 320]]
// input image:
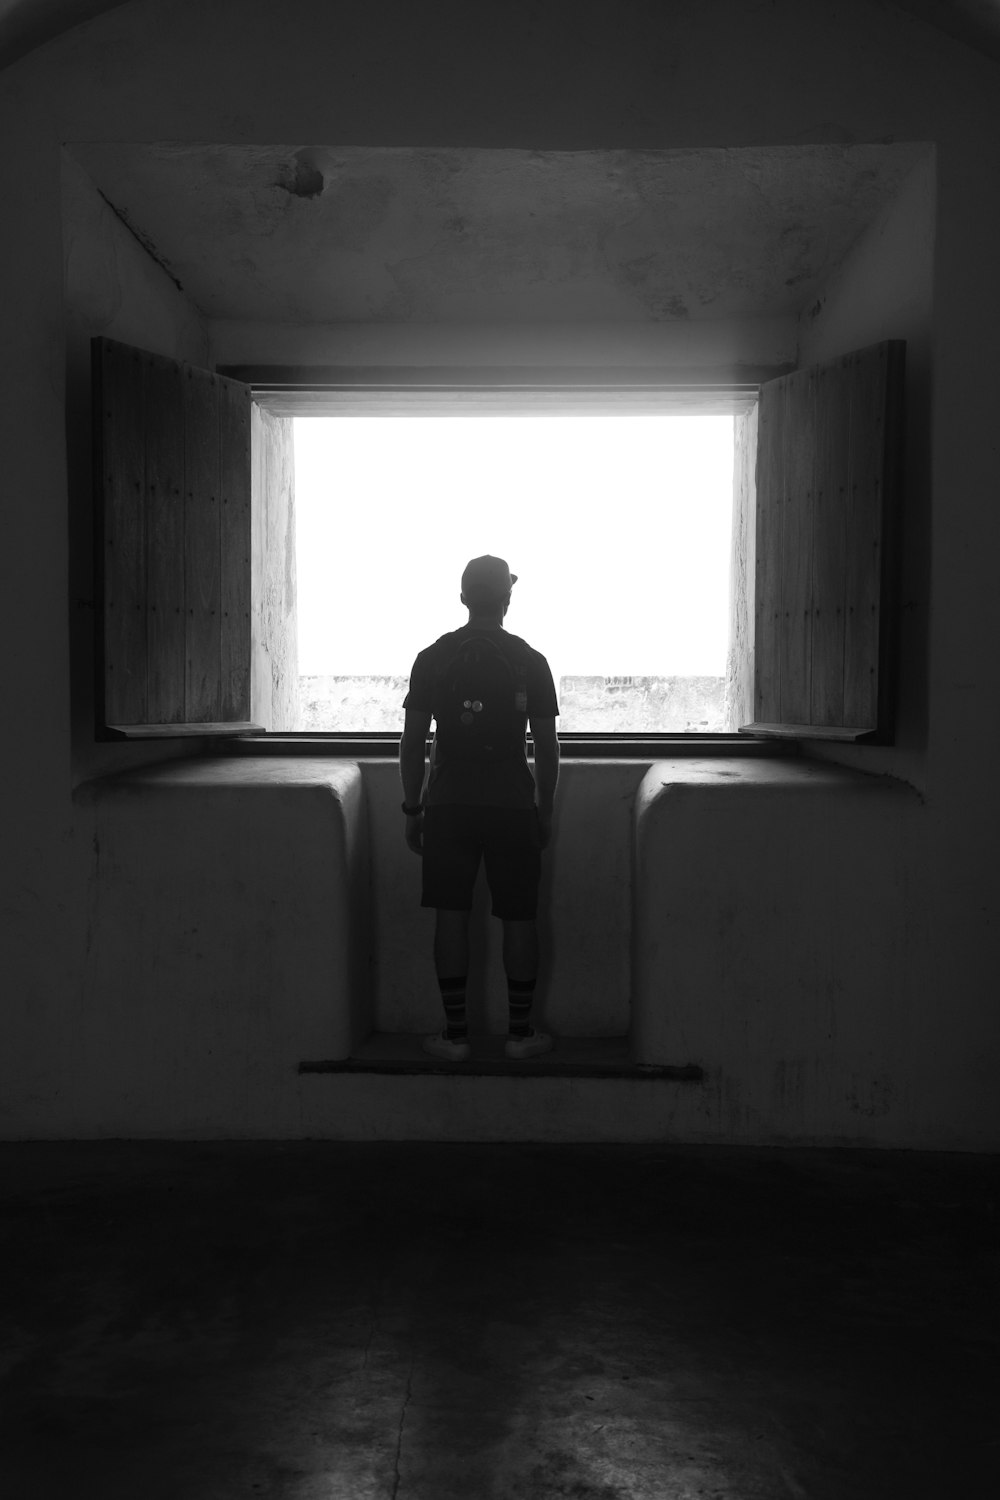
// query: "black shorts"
[[507, 839]]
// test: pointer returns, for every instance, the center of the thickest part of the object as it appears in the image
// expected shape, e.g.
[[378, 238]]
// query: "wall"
[[781, 953], [885, 290], [224, 944], [732, 350], [567, 76]]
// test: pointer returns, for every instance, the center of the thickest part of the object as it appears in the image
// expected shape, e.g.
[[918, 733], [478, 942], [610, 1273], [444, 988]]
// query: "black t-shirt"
[[504, 783]]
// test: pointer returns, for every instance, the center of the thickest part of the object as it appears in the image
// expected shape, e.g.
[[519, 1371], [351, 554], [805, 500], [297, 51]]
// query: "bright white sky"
[[617, 527]]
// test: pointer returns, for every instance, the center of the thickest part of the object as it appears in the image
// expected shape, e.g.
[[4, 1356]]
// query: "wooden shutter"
[[172, 446], [828, 461]]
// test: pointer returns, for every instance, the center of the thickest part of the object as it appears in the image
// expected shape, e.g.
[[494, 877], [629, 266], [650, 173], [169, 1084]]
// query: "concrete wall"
[[885, 289], [565, 75], [782, 952], [225, 943]]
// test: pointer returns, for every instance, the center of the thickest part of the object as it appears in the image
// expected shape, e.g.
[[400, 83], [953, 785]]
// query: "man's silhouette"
[[482, 686]]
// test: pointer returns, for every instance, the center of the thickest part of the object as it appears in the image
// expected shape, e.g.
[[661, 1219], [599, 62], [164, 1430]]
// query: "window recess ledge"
[[573, 1057], [842, 734], [572, 746], [179, 731]]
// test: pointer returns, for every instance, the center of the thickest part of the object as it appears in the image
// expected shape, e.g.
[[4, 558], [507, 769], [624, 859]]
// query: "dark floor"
[[291, 1322]]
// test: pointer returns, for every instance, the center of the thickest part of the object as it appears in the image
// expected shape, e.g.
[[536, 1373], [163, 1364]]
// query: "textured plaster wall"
[[568, 76], [342, 234], [225, 942], [783, 952]]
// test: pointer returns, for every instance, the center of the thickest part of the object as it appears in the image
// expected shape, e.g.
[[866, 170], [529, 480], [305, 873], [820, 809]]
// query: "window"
[[196, 624], [618, 527]]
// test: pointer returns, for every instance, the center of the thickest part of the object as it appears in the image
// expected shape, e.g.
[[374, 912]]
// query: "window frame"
[[387, 391], [134, 480]]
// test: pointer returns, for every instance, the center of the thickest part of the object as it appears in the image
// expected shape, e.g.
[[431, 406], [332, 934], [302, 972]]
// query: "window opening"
[[619, 528]]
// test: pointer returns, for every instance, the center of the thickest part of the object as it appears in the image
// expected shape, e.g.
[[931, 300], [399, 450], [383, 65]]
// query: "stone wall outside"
[[588, 704]]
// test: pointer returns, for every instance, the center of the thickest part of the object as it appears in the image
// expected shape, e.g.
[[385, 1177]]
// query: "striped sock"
[[520, 995], [453, 1000]]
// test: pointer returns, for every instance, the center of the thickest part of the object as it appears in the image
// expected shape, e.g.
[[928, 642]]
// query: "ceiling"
[[397, 235], [26, 24]]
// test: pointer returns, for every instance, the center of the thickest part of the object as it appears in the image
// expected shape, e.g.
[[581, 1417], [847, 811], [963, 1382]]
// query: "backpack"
[[482, 700]]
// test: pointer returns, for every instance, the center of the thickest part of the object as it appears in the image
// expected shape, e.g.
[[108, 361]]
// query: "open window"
[[617, 523], [194, 558]]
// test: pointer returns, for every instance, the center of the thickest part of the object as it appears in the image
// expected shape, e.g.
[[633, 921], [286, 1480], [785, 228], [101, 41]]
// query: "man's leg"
[[520, 961], [513, 868], [451, 961], [451, 941], [452, 855]]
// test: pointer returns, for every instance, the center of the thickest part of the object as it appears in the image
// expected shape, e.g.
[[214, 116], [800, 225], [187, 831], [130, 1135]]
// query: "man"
[[481, 685]]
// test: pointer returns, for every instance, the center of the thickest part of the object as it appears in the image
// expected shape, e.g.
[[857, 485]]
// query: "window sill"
[[572, 746]]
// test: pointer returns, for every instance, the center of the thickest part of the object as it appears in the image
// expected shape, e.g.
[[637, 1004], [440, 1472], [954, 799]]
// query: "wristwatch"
[[411, 812]]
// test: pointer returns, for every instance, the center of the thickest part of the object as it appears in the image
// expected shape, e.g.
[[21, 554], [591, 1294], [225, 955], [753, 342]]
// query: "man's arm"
[[543, 733], [412, 765]]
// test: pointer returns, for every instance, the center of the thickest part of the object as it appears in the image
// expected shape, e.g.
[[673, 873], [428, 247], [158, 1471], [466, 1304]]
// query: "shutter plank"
[[795, 638], [124, 533], [202, 538], [234, 467], [165, 555], [767, 580], [864, 536], [830, 542]]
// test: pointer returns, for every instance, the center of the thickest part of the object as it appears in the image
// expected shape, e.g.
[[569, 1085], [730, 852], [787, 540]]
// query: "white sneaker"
[[528, 1046], [440, 1046]]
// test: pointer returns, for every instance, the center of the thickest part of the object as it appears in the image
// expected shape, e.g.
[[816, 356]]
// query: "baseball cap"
[[488, 575]]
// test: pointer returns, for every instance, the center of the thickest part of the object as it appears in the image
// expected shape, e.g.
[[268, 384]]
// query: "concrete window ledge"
[[572, 1057], [228, 931], [771, 943]]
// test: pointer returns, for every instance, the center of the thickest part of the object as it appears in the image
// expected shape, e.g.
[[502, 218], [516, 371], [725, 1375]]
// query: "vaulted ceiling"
[[26, 24]]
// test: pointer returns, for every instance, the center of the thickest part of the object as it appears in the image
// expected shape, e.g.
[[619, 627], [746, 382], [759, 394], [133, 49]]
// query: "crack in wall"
[[399, 1438], [141, 239]]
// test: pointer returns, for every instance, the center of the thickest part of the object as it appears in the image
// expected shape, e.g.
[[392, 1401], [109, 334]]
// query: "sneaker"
[[532, 1045], [440, 1046]]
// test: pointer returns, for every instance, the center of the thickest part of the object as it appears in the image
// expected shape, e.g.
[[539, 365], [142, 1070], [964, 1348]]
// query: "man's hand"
[[543, 734], [412, 751], [414, 833]]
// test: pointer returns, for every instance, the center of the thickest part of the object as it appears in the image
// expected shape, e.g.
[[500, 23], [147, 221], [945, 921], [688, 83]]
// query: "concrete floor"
[[291, 1322]]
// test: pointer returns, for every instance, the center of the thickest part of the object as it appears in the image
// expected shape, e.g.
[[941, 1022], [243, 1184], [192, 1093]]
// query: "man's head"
[[486, 585]]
